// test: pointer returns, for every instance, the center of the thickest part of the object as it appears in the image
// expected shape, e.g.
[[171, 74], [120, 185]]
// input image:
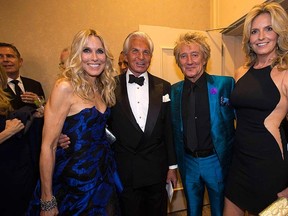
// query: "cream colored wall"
[[223, 14], [41, 29], [226, 12]]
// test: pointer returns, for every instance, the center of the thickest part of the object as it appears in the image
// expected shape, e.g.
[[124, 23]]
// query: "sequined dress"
[[258, 171], [85, 181]]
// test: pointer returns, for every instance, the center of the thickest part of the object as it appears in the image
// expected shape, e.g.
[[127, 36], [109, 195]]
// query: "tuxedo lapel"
[[28, 86], [122, 99], [16, 101], [10, 91], [155, 100]]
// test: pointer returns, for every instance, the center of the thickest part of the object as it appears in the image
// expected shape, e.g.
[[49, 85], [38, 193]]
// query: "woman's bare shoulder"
[[285, 82], [63, 85], [240, 72], [62, 90]]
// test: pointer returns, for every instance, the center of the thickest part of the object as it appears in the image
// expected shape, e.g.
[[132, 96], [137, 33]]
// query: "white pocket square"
[[166, 98]]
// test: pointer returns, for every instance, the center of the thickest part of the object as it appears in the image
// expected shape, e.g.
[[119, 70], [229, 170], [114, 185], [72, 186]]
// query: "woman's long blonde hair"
[[74, 72], [279, 21], [5, 106]]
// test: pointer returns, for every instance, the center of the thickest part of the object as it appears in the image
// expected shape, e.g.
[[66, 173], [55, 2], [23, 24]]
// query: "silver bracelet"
[[48, 205]]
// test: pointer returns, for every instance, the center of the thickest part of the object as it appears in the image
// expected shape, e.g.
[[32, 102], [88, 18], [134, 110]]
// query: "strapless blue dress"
[[85, 180]]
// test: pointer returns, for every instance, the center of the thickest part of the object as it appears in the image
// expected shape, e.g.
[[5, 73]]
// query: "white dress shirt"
[[139, 99]]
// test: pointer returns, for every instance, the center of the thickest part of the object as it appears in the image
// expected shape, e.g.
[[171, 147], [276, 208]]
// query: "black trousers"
[[149, 200]]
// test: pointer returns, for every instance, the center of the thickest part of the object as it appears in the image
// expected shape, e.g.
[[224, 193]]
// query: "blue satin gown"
[[85, 180]]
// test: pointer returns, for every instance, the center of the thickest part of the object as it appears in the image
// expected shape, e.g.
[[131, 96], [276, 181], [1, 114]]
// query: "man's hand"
[[29, 97], [39, 112], [172, 176], [63, 141], [283, 193]]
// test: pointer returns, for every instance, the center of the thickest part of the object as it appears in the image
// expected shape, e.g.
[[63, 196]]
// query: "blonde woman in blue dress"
[[81, 179]]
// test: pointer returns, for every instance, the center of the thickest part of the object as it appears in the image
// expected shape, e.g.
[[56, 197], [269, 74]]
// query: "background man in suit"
[[63, 58], [122, 63], [23, 92], [141, 122], [11, 61], [203, 125]]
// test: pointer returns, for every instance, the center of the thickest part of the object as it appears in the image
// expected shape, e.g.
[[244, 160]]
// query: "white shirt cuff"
[[173, 167]]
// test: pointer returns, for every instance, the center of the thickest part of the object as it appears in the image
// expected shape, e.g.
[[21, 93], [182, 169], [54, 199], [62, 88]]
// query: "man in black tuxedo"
[[141, 123]]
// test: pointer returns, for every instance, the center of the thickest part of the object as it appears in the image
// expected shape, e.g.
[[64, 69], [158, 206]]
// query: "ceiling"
[[236, 28]]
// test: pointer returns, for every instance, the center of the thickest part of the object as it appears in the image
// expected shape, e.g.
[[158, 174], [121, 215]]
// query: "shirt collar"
[[18, 78], [199, 83]]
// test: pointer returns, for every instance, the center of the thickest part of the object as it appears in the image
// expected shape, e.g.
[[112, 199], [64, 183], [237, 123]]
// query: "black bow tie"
[[138, 80]]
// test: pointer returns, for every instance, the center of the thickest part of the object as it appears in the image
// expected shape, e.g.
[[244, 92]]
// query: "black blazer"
[[29, 85], [143, 158]]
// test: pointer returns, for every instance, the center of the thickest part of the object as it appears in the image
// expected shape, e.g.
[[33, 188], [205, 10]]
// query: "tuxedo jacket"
[[29, 85], [143, 158], [222, 118]]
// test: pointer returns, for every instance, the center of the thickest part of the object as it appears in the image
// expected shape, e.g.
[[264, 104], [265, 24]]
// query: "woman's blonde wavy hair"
[[74, 72], [5, 106], [279, 20]]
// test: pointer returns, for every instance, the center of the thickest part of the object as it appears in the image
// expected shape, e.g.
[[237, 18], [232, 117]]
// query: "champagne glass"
[[40, 101]]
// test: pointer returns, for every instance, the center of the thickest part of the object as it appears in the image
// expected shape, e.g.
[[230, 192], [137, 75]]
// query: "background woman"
[[15, 163], [11, 127]]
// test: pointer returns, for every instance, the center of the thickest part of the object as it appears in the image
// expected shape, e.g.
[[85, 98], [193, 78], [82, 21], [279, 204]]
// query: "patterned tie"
[[18, 90], [138, 80]]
